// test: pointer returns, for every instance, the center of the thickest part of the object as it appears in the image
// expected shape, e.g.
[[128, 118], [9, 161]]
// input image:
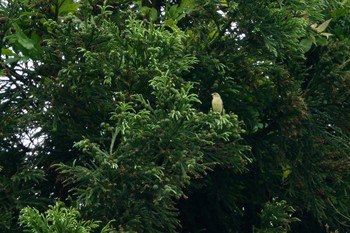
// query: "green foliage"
[[57, 219], [154, 153], [105, 105], [276, 217]]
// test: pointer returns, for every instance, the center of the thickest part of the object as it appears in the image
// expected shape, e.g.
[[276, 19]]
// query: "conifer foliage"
[[106, 124]]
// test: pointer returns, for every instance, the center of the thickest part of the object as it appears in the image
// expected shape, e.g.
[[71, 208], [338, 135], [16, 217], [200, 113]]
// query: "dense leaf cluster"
[[105, 106]]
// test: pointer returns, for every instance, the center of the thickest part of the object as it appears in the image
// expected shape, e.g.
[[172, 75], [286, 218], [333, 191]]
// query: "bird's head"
[[215, 94]]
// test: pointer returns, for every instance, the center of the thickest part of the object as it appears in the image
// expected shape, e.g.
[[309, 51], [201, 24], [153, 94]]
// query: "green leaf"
[[189, 33], [11, 60], [153, 15], [23, 39], [169, 22], [67, 6], [322, 41], [322, 27], [326, 34], [185, 4], [287, 170], [213, 34], [306, 44], [145, 10], [173, 12], [223, 3], [7, 52]]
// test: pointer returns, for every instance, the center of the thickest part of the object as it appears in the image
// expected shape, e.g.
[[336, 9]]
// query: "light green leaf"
[[189, 33], [7, 52], [326, 34], [213, 34], [67, 6], [186, 5], [323, 26], [153, 15], [306, 44], [171, 23], [145, 10], [173, 12], [23, 39], [314, 26], [286, 173], [223, 3]]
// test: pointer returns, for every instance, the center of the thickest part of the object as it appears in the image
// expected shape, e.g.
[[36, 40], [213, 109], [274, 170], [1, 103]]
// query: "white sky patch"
[[3, 3], [241, 36], [33, 138]]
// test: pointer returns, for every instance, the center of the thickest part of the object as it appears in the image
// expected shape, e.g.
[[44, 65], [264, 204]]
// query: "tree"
[[106, 106], [58, 218]]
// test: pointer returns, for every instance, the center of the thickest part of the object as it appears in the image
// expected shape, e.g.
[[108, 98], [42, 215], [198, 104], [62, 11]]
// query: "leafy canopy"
[[105, 105]]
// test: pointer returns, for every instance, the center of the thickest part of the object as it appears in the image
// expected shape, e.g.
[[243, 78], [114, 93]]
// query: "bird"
[[217, 104]]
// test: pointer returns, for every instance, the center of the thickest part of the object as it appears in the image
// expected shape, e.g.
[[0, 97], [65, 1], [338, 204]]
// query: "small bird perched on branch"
[[217, 103]]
